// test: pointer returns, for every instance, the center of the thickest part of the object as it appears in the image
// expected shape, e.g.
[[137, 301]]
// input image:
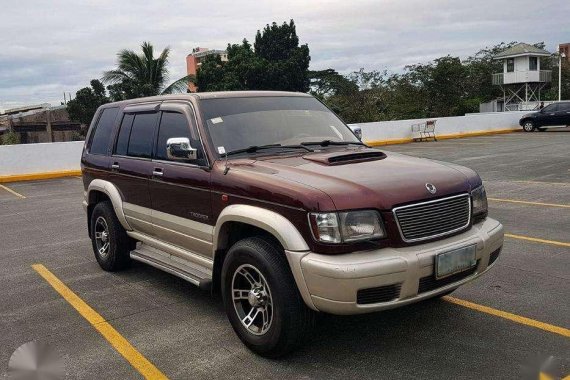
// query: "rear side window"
[[103, 131], [124, 134], [142, 135], [563, 106]]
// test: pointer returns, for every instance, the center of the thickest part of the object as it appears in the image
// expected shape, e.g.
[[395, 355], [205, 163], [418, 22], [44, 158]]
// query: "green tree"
[[10, 138], [139, 75], [82, 108], [274, 62], [327, 83]]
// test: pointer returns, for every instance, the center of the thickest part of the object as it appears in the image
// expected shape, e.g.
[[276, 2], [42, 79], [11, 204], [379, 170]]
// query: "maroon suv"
[[271, 199]]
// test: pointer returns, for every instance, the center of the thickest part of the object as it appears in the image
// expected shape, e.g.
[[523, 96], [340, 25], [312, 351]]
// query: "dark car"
[[556, 114], [269, 198]]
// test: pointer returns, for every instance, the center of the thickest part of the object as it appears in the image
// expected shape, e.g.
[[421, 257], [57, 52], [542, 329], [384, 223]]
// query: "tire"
[[281, 320], [111, 244], [528, 126]]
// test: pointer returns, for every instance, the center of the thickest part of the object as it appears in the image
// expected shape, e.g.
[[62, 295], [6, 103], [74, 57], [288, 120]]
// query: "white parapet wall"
[[398, 131], [27, 159]]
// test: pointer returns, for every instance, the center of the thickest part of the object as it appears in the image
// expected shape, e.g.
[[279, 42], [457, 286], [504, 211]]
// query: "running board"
[[165, 262]]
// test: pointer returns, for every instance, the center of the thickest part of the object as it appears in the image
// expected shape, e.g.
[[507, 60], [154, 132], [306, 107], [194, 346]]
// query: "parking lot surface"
[[517, 315]]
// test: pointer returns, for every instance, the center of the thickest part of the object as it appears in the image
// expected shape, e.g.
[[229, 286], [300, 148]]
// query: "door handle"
[[157, 172], [115, 166]]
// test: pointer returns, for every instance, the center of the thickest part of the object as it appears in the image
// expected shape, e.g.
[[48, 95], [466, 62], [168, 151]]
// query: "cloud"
[[48, 47]]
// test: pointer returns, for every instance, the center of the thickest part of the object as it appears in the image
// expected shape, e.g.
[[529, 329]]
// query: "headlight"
[[345, 227], [479, 202]]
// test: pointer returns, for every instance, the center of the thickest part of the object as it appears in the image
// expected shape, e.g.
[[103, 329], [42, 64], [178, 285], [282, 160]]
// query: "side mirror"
[[179, 149], [358, 132]]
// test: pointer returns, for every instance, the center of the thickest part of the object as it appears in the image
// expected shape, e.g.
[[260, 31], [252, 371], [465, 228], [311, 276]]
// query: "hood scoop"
[[341, 158]]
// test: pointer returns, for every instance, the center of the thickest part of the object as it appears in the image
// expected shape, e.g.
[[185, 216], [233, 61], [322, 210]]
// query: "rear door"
[[180, 189], [563, 114], [131, 163]]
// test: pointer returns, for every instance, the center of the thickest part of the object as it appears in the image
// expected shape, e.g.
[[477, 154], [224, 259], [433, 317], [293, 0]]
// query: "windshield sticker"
[[221, 150], [217, 120]]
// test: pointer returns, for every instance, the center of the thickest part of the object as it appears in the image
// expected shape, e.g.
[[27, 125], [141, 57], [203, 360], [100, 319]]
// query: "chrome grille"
[[427, 220]]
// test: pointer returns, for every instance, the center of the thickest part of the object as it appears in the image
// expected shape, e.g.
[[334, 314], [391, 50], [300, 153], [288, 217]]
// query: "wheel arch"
[[240, 221], [99, 190]]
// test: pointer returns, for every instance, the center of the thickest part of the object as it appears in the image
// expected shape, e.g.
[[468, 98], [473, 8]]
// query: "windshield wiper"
[[331, 142], [256, 148]]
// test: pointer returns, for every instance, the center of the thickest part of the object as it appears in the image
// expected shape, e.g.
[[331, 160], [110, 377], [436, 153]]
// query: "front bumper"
[[398, 276]]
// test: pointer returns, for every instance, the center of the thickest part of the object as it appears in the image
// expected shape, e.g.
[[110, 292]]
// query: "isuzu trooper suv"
[[272, 200]]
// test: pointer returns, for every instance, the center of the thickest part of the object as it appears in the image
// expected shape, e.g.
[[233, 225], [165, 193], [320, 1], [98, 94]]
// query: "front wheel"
[[528, 126], [261, 298]]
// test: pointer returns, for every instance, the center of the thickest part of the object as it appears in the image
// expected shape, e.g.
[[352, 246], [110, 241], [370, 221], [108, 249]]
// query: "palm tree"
[[139, 75]]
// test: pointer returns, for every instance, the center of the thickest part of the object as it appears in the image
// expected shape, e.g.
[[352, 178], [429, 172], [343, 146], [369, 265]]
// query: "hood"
[[366, 178]]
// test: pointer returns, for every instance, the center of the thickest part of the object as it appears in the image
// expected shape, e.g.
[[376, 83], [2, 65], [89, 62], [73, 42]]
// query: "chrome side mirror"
[[179, 149]]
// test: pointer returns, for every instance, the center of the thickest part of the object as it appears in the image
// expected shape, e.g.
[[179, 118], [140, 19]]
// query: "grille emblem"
[[431, 188]]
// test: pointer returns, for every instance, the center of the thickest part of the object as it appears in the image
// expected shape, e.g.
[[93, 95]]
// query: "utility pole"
[[559, 74]]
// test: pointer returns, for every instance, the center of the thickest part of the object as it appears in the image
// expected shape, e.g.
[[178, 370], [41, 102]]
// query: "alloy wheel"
[[252, 301], [102, 238]]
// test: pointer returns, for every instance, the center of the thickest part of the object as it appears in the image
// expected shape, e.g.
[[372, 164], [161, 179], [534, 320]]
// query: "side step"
[[176, 266]]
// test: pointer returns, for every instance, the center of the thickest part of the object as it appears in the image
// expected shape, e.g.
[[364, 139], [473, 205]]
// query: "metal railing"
[[498, 79]]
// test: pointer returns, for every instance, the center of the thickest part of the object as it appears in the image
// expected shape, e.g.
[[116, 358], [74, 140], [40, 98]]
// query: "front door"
[[180, 188]]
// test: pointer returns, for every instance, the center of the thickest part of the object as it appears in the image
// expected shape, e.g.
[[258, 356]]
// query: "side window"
[[103, 130], [510, 65], [124, 134], [533, 63], [142, 135], [174, 124], [564, 107]]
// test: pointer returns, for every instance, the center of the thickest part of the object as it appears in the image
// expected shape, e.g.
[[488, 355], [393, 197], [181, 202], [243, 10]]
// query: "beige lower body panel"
[[330, 283]]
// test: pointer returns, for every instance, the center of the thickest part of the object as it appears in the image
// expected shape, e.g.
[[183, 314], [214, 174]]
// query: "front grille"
[[429, 283], [426, 220], [380, 294], [494, 255]]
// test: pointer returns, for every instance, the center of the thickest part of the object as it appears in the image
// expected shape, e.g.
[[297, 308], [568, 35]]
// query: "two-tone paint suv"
[[271, 199]]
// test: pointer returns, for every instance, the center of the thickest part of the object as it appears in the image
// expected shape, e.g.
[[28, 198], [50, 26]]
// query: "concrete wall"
[[382, 132], [40, 158]]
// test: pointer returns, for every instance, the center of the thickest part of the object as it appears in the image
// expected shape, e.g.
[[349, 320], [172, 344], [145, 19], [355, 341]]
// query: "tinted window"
[[564, 107], [124, 134], [142, 135], [551, 108], [103, 130], [532, 63], [510, 65], [173, 124]]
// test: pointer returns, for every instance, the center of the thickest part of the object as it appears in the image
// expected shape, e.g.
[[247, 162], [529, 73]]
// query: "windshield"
[[239, 123]]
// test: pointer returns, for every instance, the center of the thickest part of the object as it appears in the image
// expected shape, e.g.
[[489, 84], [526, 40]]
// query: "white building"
[[522, 78]]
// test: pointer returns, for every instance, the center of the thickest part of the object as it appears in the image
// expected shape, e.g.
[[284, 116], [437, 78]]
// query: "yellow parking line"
[[537, 240], [510, 316], [528, 203], [12, 191], [137, 360]]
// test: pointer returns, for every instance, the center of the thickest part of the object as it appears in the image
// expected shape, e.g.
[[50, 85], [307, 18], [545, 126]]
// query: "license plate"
[[458, 260]]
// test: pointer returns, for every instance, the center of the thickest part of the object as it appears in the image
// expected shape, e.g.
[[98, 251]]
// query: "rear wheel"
[[528, 126], [261, 299], [110, 241]]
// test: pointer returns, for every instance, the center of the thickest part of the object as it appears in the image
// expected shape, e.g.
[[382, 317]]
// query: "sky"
[[48, 47]]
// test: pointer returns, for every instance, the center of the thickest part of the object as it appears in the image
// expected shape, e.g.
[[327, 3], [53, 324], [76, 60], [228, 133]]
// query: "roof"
[[521, 49], [208, 95]]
